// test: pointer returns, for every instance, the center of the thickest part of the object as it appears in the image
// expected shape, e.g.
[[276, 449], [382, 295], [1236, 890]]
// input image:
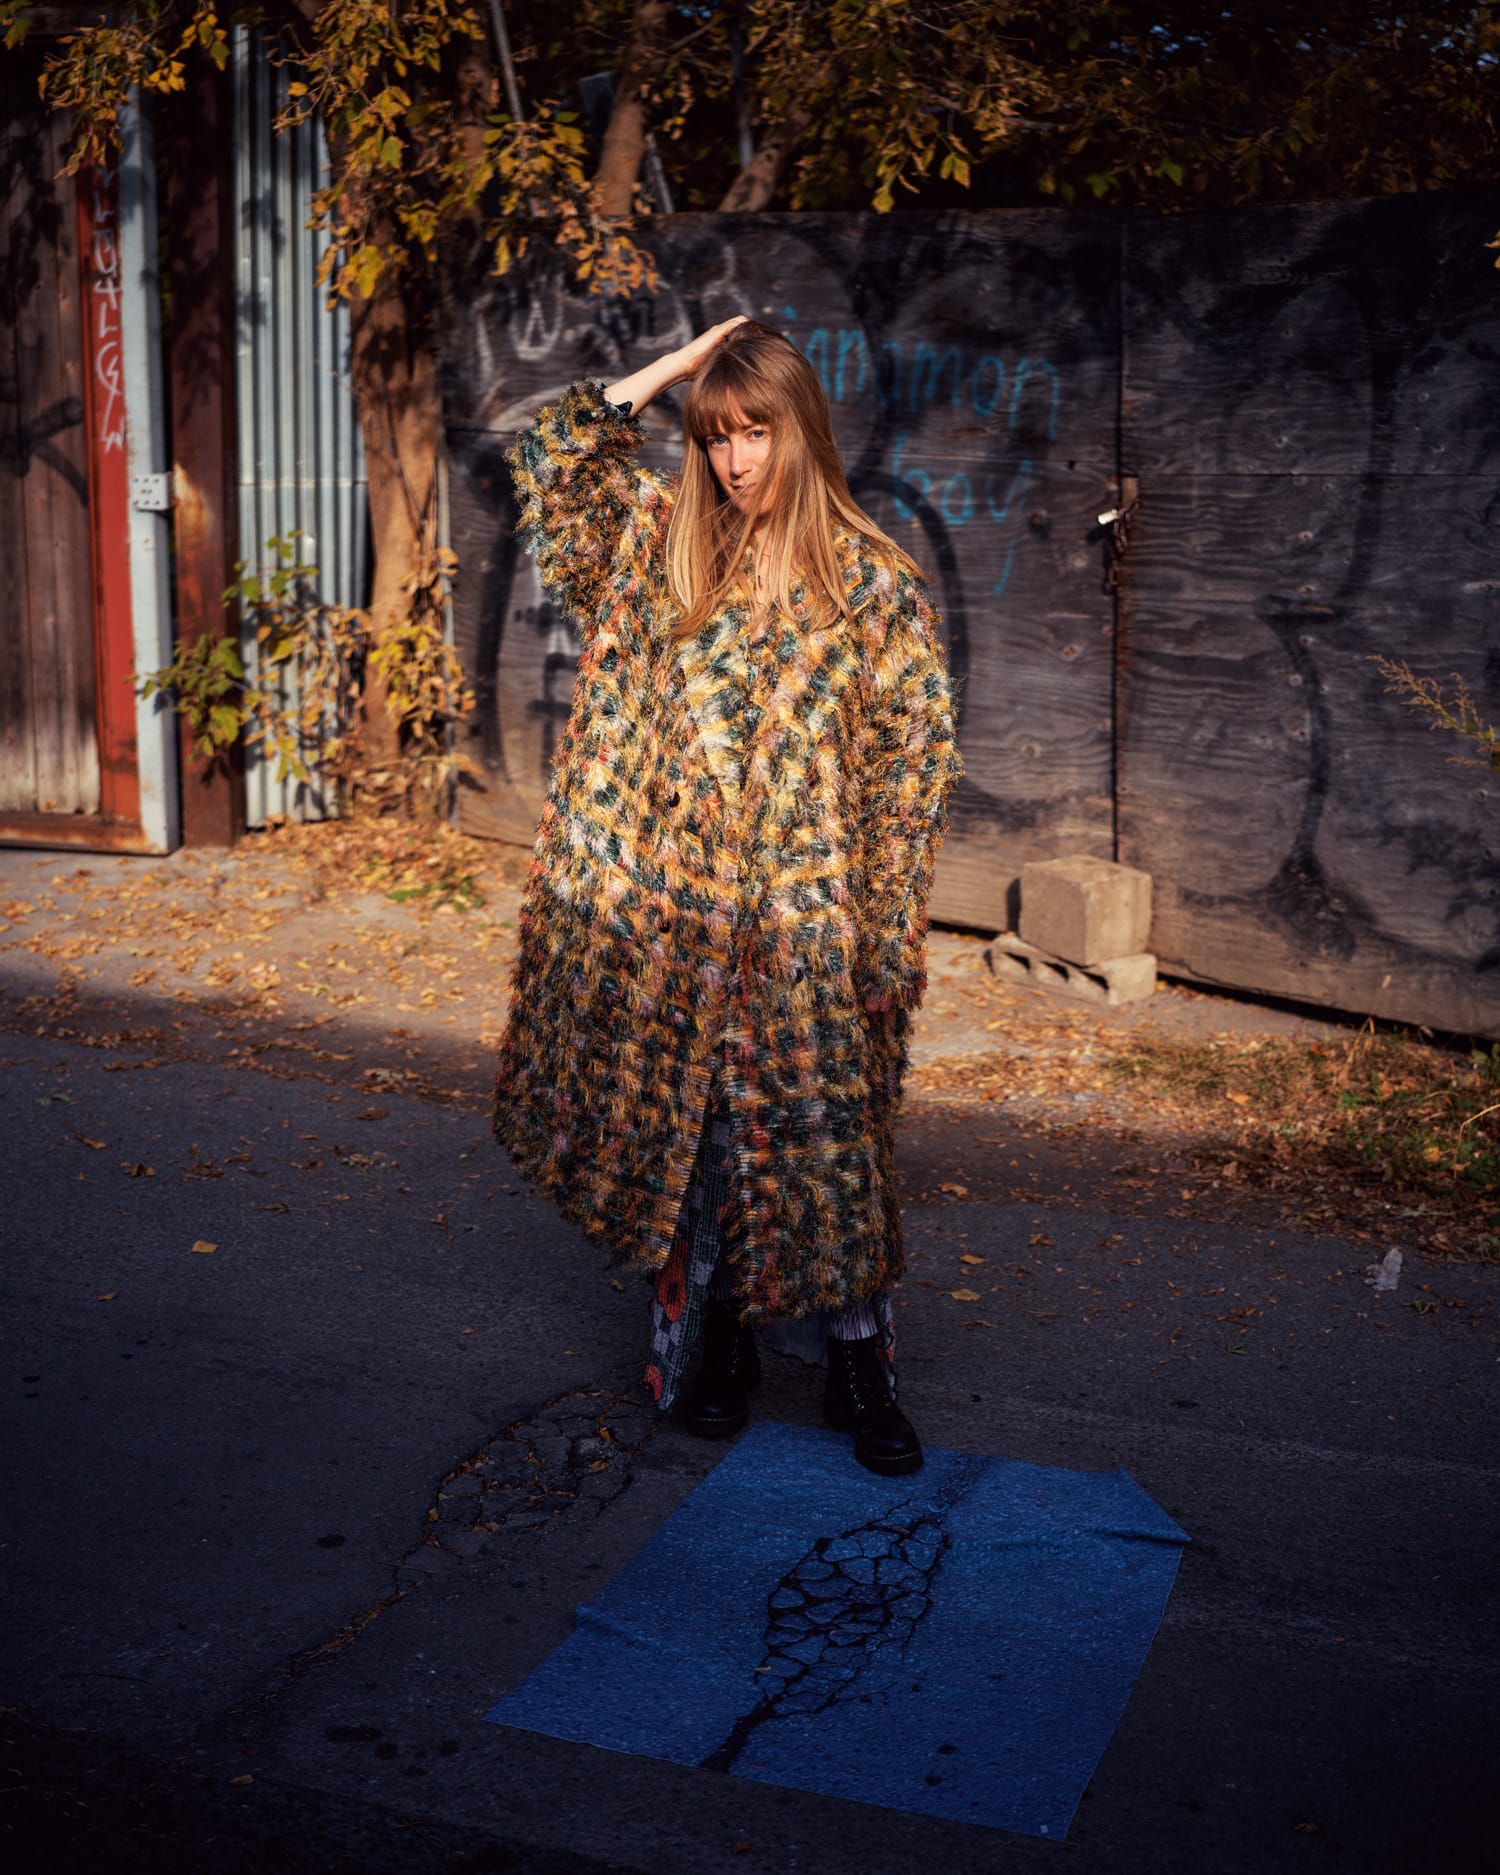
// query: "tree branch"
[[756, 184], [625, 137]]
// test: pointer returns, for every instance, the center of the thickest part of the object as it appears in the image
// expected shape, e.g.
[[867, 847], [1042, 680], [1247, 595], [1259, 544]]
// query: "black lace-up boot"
[[718, 1402], [858, 1399]]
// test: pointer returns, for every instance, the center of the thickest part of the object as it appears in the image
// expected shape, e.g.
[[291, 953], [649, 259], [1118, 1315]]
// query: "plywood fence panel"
[[971, 362], [1343, 338], [1305, 834], [1308, 403], [1306, 396]]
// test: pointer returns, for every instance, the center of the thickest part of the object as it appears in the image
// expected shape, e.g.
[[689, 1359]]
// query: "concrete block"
[[1085, 910], [1115, 981]]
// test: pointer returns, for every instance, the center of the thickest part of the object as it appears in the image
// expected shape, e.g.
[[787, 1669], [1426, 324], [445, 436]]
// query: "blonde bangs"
[[720, 403]]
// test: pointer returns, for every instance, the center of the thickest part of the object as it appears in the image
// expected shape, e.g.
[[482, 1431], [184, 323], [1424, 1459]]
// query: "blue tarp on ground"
[[960, 1643]]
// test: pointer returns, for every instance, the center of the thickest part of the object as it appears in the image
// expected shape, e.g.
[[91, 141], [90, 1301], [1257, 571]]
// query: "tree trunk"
[[625, 137], [756, 184], [474, 88], [395, 372], [394, 367]]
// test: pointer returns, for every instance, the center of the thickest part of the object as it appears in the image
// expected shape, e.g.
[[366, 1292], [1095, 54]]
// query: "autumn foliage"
[[442, 145]]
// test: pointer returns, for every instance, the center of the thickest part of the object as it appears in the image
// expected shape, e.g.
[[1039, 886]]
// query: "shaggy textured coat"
[[736, 851]]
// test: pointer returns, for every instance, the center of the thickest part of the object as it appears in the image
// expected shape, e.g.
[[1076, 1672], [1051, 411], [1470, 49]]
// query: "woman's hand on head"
[[634, 392], [693, 356], [668, 368]]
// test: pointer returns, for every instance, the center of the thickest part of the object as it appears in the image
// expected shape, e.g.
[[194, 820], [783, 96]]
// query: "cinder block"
[[1117, 980], [1085, 910]]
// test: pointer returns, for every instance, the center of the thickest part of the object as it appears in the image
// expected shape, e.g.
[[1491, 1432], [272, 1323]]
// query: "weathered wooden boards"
[[49, 758], [972, 365], [1309, 403]]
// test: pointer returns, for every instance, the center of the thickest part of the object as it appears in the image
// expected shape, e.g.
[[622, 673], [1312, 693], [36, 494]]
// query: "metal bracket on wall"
[[151, 494]]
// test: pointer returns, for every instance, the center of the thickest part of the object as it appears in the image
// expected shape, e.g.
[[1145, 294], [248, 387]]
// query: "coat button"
[[673, 798]]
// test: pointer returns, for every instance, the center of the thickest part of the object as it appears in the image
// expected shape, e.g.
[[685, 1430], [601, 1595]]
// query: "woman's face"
[[740, 454]]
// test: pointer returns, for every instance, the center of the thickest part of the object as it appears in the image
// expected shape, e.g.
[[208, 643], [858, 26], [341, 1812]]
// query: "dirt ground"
[[383, 960]]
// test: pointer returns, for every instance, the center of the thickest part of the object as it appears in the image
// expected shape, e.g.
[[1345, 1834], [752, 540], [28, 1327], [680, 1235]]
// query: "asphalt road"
[[249, 1622]]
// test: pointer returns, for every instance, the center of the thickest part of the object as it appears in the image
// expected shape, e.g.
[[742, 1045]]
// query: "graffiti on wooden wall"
[[1300, 397], [971, 367]]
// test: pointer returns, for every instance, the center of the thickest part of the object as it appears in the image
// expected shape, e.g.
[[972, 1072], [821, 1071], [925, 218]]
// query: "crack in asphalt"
[[570, 1458]]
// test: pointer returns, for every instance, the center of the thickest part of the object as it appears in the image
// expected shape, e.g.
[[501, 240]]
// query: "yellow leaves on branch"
[[425, 687], [302, 697], [543, 190], [407, 169], [15, 17], [1457, 712], [358, 42], [97, 67], [406, 165]]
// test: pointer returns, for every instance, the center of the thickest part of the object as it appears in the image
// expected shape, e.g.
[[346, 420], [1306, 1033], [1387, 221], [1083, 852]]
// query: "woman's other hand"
[[880, 1005]]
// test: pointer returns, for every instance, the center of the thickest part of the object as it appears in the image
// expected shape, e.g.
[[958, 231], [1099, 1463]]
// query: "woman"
[[722, 936]]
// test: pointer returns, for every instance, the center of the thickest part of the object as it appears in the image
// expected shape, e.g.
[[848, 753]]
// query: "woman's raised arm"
[[579, 485], [636, 391]]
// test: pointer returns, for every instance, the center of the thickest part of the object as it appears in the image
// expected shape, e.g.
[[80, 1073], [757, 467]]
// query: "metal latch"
[[1118, 521], [151, 494]]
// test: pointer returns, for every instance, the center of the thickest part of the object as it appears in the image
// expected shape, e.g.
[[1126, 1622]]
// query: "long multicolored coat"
[[735, 853]]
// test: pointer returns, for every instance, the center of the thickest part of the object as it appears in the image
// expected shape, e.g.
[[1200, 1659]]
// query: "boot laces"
[[864, 1378]]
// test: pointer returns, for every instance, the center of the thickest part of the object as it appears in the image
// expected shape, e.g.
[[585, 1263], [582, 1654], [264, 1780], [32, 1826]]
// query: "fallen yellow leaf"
[[96, 1145], [955, 1191], [970, 1259], [964, 1295], [108, 1296], [202, 1248]]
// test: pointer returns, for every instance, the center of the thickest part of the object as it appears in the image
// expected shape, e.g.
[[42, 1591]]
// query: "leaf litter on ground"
[[261, 956]]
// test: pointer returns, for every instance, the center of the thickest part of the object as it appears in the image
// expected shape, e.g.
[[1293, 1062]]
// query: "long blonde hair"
[[755, 375]]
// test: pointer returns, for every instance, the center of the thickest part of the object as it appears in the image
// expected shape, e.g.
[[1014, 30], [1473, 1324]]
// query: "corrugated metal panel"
[[148, 452], [301, 461]]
